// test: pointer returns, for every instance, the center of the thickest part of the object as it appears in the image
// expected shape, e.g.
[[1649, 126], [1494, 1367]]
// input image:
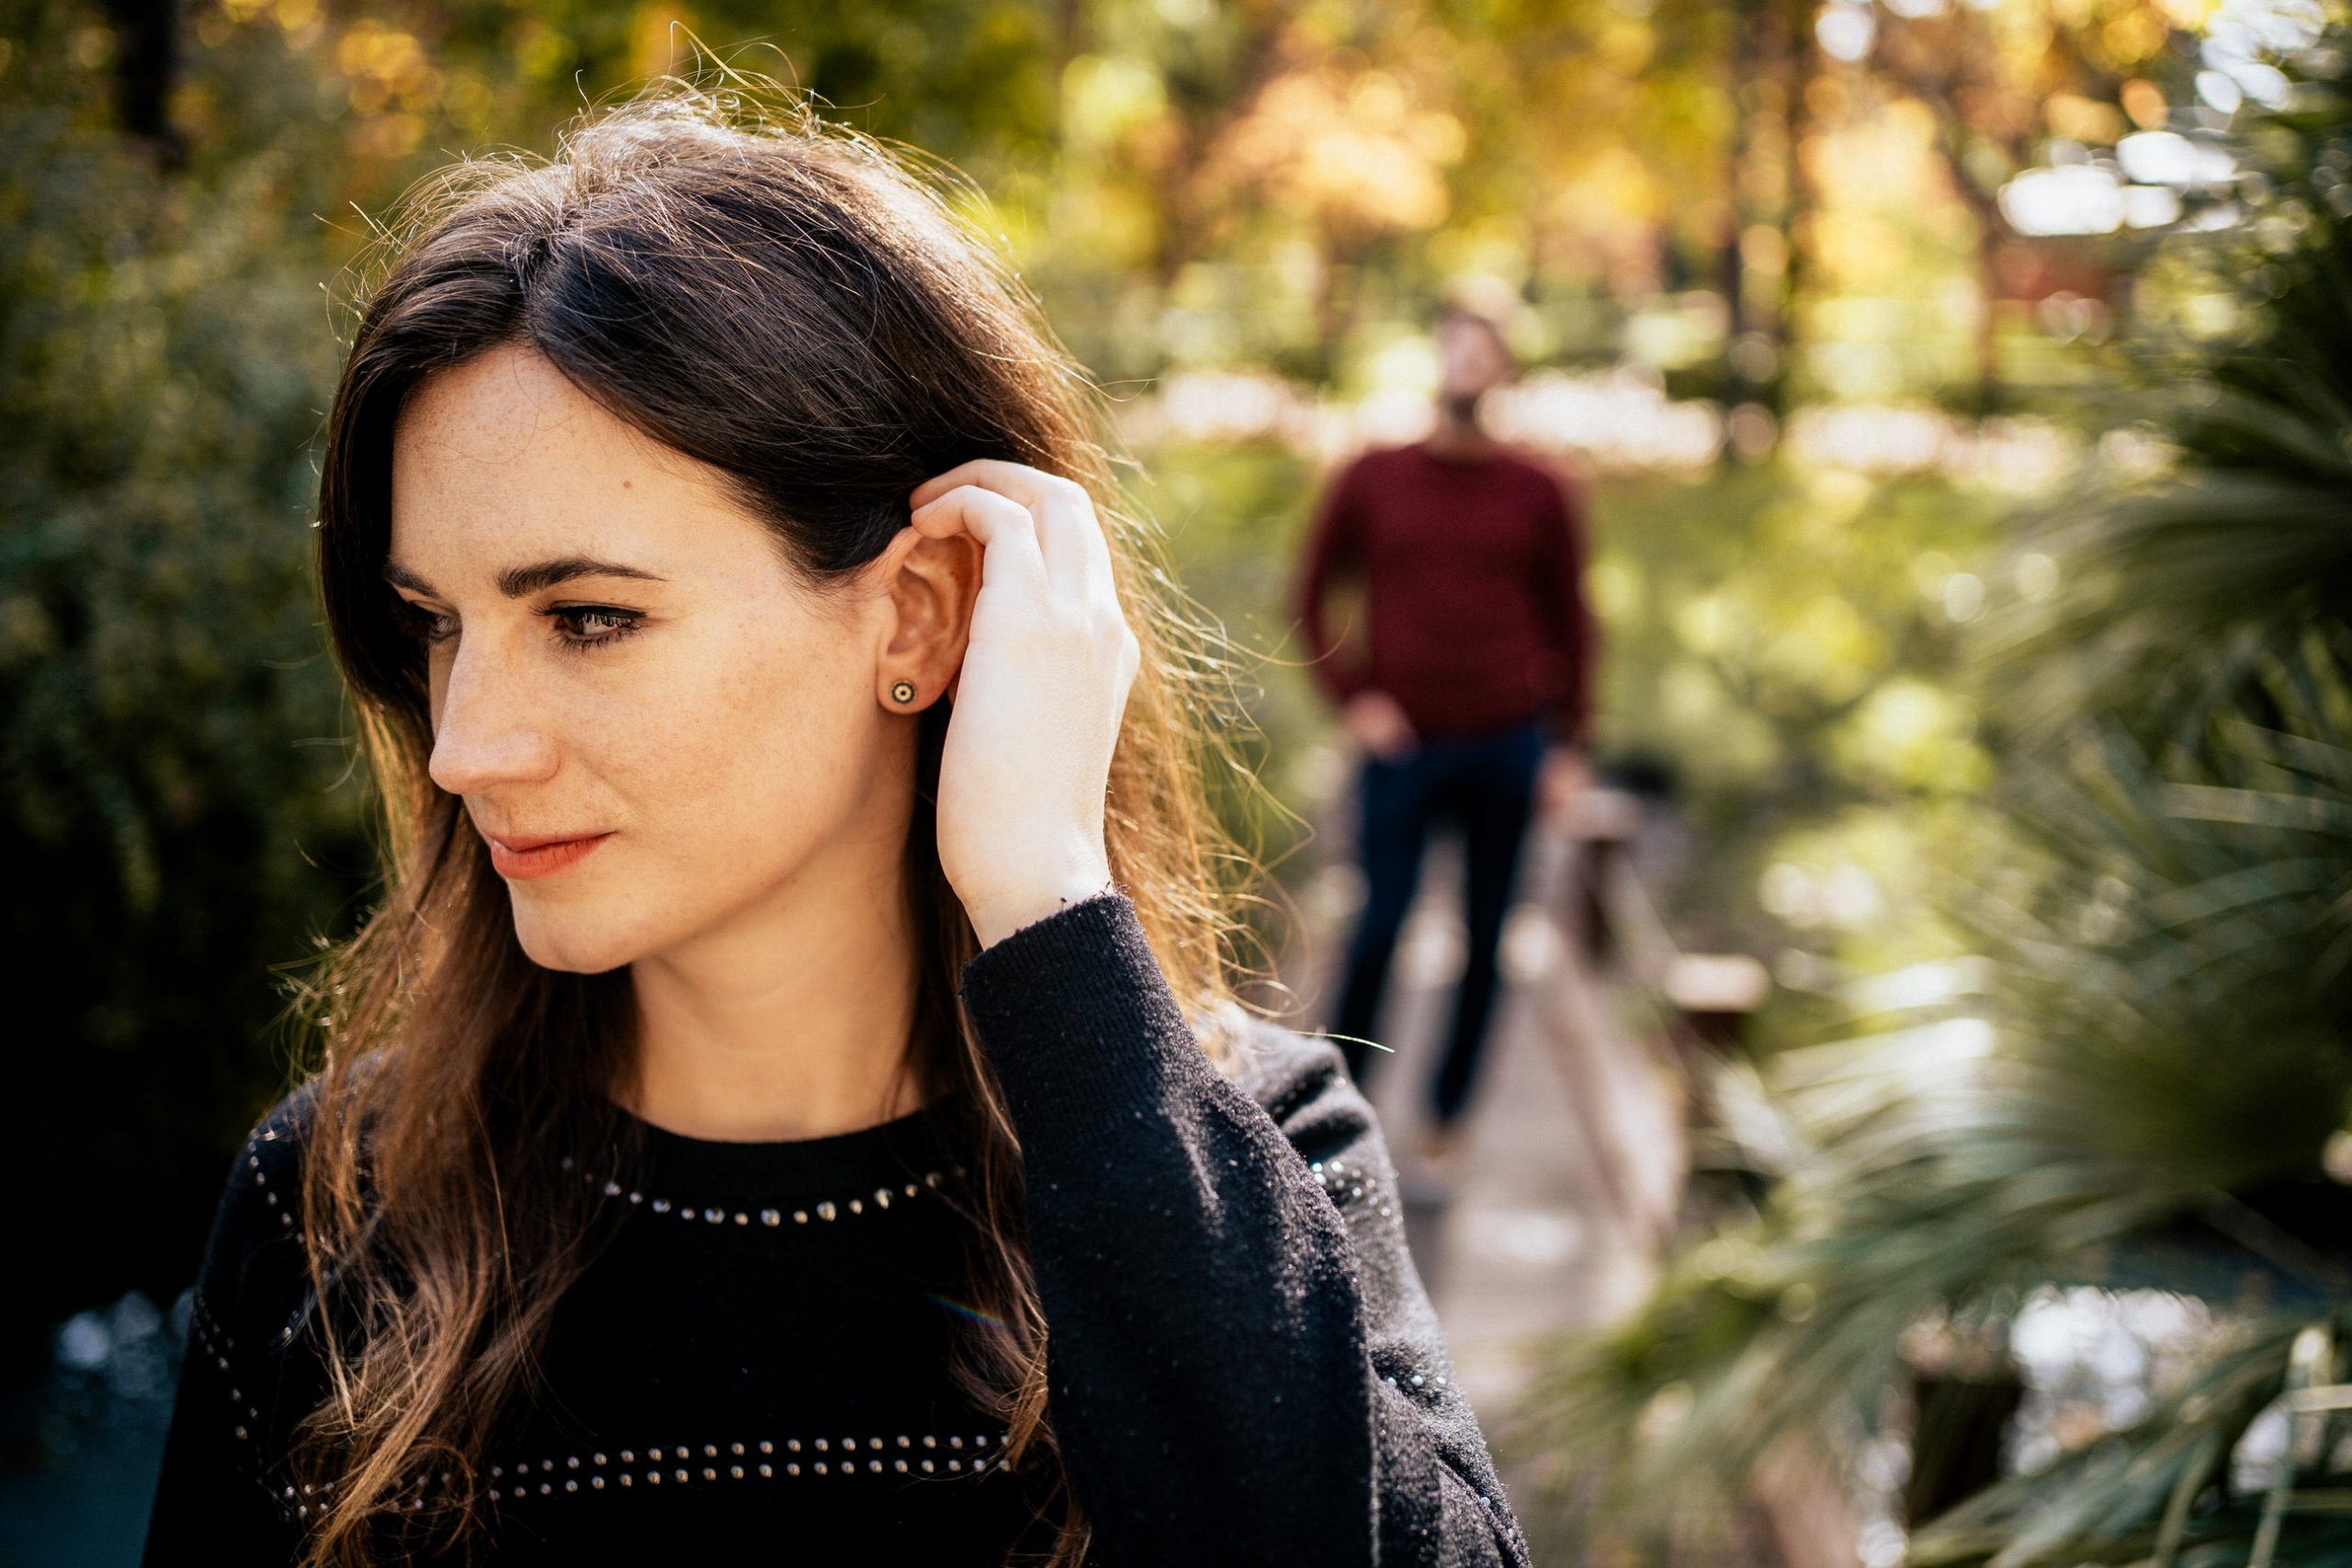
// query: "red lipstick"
[[528, 859]]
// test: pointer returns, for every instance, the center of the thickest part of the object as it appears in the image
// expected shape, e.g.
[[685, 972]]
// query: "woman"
[[789, 1103]]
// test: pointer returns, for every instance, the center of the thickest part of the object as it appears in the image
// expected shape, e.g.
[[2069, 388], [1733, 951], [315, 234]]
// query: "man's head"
[[1471, 358]]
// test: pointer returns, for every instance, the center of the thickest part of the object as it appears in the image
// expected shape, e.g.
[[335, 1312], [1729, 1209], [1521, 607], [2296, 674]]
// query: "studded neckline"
[[889, 1156]]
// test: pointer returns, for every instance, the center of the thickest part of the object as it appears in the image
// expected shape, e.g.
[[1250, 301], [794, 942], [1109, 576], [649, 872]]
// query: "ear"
[[932, 585]]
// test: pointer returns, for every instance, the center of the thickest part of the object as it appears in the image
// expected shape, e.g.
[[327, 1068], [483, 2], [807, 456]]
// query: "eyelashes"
[[419, 623], [579, 627], [578, 619]]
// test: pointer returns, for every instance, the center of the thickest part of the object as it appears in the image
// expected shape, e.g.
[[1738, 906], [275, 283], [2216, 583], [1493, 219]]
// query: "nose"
[[486, 729]]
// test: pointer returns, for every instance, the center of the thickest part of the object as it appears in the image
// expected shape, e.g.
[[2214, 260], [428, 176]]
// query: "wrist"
[[997, 917]]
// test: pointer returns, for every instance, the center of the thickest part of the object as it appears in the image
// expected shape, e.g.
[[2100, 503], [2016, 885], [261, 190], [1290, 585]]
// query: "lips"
[[526, 857]]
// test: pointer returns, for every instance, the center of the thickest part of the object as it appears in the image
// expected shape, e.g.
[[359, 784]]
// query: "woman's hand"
[[1044, 679]]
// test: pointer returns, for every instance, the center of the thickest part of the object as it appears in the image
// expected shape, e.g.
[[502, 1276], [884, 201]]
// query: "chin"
[[574, 945]]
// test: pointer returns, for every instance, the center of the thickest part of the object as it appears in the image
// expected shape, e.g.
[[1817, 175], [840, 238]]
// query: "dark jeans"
[[1487, 785]]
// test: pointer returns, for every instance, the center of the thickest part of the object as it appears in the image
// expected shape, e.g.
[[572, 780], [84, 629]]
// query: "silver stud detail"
[[906, 1461]]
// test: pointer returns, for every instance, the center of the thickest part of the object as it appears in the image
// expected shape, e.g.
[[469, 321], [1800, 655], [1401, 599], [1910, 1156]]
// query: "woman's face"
[[622, 664]]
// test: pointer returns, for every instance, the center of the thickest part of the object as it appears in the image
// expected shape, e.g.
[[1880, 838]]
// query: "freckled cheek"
[[724, 744]]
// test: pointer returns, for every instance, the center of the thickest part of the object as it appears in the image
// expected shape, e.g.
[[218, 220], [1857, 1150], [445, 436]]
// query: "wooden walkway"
[[1576, 1155]]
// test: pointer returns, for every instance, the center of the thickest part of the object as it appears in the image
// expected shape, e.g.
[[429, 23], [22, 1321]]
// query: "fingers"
[[1069, 536], [1005, 528]]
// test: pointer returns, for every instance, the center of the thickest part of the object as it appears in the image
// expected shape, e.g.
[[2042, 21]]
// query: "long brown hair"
[[790, 304]]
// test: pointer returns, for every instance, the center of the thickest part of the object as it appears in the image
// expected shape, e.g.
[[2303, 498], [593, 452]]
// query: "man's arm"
[[1575, 637], [1335, 550]]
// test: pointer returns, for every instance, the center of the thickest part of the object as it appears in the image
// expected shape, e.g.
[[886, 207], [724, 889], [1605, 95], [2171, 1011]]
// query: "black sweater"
[[1243, 1366]]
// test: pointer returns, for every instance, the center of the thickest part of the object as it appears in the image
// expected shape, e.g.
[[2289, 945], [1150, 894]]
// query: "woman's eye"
[[425, 625], [590, 625]]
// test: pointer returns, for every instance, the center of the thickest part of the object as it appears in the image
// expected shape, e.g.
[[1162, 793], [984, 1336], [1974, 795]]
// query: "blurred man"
[[1471, 698]]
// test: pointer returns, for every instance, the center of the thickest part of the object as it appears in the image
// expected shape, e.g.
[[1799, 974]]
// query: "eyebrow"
[[517, 580]]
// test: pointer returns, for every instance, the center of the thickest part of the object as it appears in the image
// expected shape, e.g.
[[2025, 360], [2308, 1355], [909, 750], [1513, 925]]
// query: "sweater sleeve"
[[218, 1499], [1334, 551], [1574, 635], [1238, 1349]]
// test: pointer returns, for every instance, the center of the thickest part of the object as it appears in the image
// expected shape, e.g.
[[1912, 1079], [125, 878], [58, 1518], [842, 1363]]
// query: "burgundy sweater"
[[1473, 580]]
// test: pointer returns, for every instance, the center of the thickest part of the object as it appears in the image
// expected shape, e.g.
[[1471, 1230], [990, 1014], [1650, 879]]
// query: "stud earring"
[[902, 690]]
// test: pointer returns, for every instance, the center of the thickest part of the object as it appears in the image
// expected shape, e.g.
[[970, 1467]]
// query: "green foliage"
[[2164, 1047], [1188, 184], [2135, 1499], [1777, 639], [172, 800], [2160, 1055]]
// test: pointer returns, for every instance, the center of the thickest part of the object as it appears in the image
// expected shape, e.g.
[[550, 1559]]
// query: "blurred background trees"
[[1960, 382], [2139, 1081]]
